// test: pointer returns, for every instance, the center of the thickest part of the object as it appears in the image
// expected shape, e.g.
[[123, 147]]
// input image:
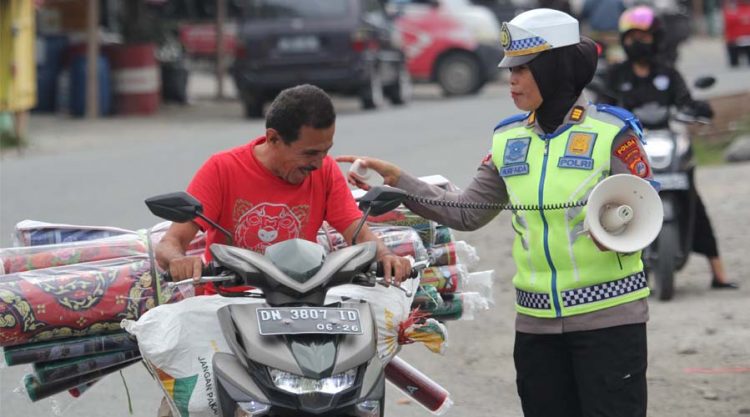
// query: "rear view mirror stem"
[[219, 228], [361, 223]]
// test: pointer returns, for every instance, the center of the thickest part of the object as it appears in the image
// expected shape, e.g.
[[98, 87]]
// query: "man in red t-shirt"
[[279, 186]]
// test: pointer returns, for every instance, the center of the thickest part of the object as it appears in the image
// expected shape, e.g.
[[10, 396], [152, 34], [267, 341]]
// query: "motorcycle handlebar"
[[205, 271], [415, 270], [208, 273]]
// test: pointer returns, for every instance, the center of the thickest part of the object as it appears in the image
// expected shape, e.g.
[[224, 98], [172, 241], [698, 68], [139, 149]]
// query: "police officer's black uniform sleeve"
[[610, 84], [680, 93], [486, 187]]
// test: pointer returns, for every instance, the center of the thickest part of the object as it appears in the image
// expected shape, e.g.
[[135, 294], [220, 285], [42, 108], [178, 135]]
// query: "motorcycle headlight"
[[297, 384], [659, 149]]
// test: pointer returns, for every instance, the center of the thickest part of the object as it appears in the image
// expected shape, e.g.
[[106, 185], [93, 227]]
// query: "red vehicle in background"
[[737, 29], [450, 42], [199, 39]]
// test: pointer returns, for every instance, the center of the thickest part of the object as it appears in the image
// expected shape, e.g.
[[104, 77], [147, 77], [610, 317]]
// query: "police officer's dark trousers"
[[598, 373]]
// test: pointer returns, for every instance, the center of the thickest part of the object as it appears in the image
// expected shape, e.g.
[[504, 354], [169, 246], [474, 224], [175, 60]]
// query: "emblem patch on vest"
[[514, 157], [578, 151], [577, 114]]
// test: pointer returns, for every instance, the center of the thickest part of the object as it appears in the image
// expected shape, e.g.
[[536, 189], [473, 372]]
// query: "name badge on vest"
[[514, 157], [578, 151]]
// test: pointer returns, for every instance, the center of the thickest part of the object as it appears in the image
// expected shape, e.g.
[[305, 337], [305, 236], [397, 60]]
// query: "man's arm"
[[394, 266], [170, 252]]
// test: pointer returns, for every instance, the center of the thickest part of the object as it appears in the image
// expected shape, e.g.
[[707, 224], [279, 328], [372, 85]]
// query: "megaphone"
[[624, 213]]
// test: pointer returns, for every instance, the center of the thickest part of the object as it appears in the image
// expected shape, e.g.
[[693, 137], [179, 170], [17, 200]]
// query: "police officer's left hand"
[[598, 245], [390, 172]]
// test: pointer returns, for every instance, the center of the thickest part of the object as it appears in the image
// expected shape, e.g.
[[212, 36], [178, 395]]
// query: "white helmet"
[[534, 31]]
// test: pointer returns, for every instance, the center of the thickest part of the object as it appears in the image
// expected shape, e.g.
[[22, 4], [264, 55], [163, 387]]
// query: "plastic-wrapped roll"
[[76, 300], [452, 309], [29, 258], [460, 306], [427, 298], [34, 233], [47, 372], [402, 241], [453, 253], [38, 390], [481, 282], [79, 390], [447, 279], [443, 235], [405, 217], [69, 348], [428, 393]]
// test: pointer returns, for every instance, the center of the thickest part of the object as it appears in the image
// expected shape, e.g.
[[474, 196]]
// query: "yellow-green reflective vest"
[[560, 271]]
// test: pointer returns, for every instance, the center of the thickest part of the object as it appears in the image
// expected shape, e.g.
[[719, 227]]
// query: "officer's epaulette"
[[631, 122], [511, 120]]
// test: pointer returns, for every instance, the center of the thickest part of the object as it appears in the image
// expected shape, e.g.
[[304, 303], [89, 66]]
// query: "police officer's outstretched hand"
[[390, 172]]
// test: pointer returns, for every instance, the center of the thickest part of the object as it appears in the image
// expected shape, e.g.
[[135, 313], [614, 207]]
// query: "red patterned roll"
[[21, 259], [75, 300]]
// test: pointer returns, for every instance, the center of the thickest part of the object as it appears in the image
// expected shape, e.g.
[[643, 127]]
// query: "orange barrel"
[[135, 74]]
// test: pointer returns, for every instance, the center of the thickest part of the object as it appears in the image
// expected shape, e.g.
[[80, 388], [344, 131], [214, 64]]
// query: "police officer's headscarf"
[[561, 74]]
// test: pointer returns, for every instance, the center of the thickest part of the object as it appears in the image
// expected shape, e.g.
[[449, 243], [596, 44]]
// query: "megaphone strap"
[[496, 206]]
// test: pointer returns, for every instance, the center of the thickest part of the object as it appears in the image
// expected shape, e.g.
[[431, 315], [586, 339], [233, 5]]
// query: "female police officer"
[[580, 347]]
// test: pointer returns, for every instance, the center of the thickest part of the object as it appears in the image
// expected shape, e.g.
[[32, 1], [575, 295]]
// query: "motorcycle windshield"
[[298, 258], [652, 115]]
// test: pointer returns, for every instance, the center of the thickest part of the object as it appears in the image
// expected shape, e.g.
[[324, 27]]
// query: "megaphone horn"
[[624, 213]]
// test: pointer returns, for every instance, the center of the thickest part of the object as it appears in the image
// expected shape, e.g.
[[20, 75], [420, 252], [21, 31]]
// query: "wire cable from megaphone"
[[496, 206]]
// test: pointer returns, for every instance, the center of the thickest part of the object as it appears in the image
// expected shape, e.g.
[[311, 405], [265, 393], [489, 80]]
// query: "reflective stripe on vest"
[[560, 271]]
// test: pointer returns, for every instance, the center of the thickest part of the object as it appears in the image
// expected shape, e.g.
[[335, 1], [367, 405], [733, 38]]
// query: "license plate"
[[308, 320], [298, 44], [672, 181]]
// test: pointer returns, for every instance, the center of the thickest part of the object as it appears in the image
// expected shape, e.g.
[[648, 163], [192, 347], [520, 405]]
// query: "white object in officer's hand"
[[624, 213], [365, 175]]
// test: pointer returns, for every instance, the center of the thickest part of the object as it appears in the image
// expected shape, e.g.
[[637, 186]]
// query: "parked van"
[[343, 46]]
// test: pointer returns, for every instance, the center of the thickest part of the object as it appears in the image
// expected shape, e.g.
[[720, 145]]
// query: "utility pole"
[[699, 16], [221, 15], [92, 55]]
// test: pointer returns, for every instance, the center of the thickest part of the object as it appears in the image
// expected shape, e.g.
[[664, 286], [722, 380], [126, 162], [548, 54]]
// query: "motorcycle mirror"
[[381, 199], [704, 82], [179, 207]]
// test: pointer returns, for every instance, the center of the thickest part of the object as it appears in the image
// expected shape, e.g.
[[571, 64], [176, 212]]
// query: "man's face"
[[294, 162]]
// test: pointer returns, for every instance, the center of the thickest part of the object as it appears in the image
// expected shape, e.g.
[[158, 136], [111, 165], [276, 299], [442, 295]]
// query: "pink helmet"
[[640, 18]]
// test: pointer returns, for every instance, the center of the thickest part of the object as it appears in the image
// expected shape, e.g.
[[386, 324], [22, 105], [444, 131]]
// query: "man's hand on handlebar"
[[395, 268], [185, 267]]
